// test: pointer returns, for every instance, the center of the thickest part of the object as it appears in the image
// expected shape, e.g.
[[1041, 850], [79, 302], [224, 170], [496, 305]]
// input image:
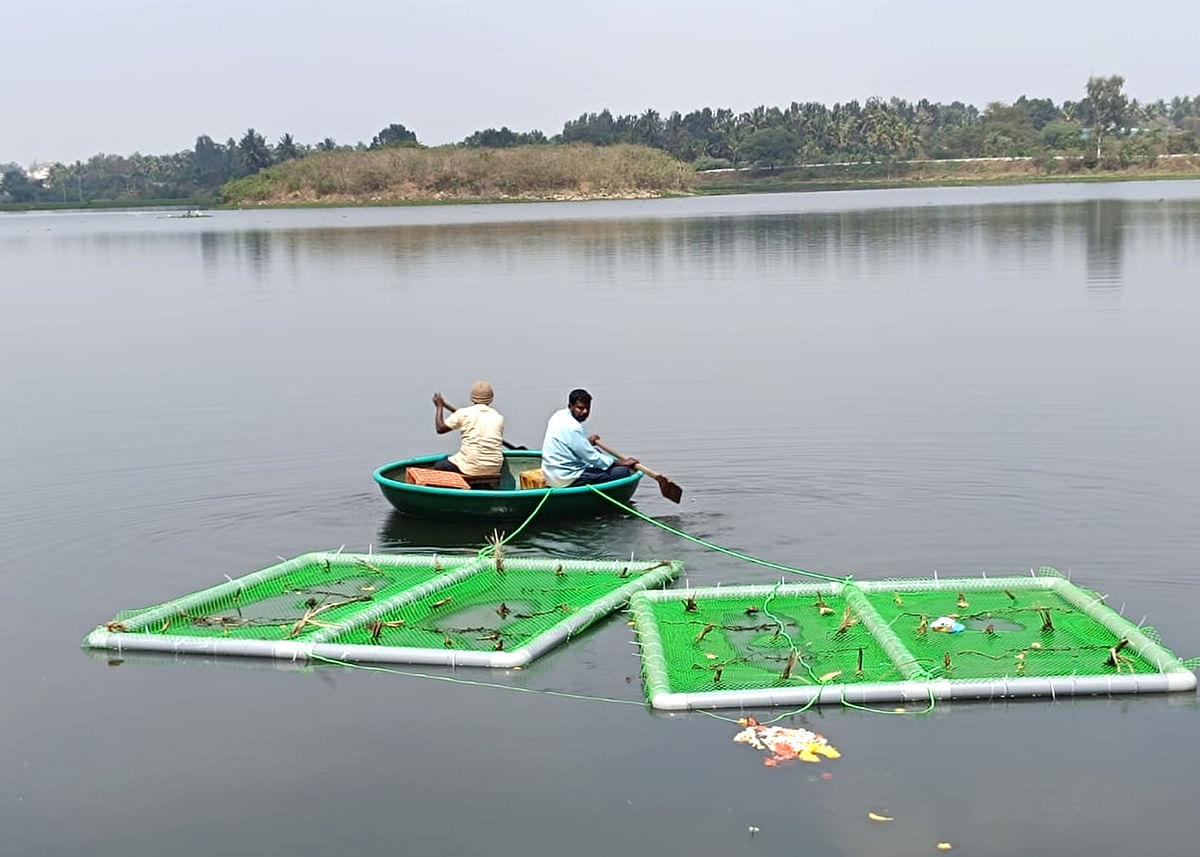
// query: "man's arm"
[[439, 421], [581, 446], [624, 462]]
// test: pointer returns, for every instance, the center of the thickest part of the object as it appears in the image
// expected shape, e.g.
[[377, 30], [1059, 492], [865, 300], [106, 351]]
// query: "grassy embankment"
[[938, 173], [450, 174]]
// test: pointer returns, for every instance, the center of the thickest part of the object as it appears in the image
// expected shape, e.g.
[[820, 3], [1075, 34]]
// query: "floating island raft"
[[893, 641], [389, 608]]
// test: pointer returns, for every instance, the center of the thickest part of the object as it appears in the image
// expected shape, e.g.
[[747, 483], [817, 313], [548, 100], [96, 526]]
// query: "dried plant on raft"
[[1116, 659], [315, 609], [496, 543], [377, 628], [368, 566]]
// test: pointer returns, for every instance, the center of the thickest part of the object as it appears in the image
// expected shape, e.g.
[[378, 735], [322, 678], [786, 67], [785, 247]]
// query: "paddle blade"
[[669, 489]]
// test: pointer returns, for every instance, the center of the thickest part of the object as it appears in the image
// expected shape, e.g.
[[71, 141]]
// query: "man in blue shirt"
[[568, 454]]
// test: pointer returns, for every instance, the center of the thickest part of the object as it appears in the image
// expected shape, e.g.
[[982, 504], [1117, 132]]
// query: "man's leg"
[[618, 471], [594, 475], [446, 464]]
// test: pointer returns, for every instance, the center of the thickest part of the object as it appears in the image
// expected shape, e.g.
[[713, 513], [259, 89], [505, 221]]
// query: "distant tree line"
[[895, 129], [192, 174], [1105, 129]]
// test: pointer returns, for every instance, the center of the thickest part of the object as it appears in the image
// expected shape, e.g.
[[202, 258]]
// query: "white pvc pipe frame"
[[1172, 675], [318, 646]]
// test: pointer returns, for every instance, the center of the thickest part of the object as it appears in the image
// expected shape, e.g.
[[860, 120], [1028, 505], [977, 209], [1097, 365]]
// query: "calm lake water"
[[867, 383]]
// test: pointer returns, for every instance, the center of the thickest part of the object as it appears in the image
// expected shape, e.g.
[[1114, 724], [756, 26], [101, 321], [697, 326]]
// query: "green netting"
[[471, 610], [1005, 632], [767, 640], [294, 600], [896, 640], [497, 609]]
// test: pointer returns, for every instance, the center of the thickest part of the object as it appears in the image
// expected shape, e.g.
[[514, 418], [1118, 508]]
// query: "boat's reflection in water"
[[605, 536]]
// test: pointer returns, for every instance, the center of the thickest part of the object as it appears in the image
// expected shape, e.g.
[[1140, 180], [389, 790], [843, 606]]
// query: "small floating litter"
[[389, 608], [894, 641]]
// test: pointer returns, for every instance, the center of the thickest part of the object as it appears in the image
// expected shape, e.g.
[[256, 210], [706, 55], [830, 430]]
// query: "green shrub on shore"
[[1121, 161], [449, 173]]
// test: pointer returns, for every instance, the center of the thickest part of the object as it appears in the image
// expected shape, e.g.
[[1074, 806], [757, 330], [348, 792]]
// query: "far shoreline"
[[759, 181]]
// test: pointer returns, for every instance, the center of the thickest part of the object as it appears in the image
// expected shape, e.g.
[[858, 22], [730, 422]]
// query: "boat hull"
[[505, 502]]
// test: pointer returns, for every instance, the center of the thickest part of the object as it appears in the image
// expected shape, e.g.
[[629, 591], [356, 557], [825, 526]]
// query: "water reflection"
[[1104, 243], [795, 248], [210, 251], [184, 661], [781, 248], [606, 536], [255, 248]]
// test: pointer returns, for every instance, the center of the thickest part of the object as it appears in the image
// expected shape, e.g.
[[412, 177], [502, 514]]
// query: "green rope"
[[803, 709], [488, 549], [782, 630], [718, 548], [766, 612], [473, 683], [847, 704], [847, 581]]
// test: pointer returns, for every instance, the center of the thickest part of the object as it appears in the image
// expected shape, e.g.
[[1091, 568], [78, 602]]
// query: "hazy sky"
[[118, 76]]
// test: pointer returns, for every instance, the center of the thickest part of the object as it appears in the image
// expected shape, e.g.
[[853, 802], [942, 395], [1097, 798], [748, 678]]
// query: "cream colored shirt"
[[482, 450]]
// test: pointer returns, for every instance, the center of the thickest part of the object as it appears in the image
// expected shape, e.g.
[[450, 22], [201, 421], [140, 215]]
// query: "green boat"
[[506, 500]]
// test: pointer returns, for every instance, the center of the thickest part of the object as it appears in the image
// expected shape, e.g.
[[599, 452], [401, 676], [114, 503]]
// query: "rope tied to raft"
[[765, 563]]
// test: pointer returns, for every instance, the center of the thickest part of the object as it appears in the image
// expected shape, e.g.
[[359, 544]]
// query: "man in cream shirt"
[[482, 450]]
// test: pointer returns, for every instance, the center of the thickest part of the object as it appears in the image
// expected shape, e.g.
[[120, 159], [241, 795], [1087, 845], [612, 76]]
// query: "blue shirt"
[[566, 450]]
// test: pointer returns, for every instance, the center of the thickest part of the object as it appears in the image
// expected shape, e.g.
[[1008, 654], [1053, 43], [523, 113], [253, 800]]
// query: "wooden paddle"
[[507, 445], [669, 489]]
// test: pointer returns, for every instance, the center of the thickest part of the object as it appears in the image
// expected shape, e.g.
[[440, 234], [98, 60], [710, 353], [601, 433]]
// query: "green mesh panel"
[[464, 603], [1015, 632], [741, 643], [715, 641], [296, 604], [497, 610]]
